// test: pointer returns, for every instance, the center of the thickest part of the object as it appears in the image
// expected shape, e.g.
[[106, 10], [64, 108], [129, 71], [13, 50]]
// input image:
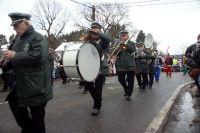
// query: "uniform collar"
[[28, 31]]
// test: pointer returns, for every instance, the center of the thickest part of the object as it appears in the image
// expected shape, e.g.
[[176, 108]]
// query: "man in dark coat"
[[30, 63], [142, 59], [95, 88], [193, 53], [126, 64]]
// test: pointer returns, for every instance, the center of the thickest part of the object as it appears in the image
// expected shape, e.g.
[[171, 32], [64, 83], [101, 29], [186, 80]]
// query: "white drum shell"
[[81, 61]]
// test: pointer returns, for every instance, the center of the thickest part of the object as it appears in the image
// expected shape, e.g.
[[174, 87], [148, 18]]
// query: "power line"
[[129, 4], [166, 3], [81, 3], [92, 7], [136, 2]]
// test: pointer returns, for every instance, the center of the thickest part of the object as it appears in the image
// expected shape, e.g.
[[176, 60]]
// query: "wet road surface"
[[69, 111], [185, 114]]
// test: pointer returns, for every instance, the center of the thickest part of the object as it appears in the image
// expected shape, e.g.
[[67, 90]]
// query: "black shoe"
[[128, 98], [84, 92], [150, 87], [95, 112], [64, 81]]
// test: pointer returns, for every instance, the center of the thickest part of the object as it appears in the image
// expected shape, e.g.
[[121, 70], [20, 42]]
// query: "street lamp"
[[92, 7]]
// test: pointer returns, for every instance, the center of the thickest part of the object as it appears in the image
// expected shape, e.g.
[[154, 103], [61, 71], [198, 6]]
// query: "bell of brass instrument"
[[90, 37], [118, 49]]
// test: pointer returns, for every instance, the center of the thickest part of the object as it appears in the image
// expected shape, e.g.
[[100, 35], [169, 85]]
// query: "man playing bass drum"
[[95, 88], [126, 64]]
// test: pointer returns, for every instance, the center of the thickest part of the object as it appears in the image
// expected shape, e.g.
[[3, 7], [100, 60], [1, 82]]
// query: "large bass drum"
[[81, 60]]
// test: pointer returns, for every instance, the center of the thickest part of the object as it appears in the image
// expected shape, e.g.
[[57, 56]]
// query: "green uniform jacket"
[[152, 64], [103, 50], [32, 69], [142, 63], [126, 61]]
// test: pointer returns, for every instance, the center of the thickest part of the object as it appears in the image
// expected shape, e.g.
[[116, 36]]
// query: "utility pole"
[[91, 7], [93, 12]]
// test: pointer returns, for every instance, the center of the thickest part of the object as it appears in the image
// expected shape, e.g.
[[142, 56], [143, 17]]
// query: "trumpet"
[[138, 53]]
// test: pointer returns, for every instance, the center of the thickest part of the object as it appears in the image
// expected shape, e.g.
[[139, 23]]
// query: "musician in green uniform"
[[151, 70], [96, 87], [126, 63], [142, 57], [29, 59]]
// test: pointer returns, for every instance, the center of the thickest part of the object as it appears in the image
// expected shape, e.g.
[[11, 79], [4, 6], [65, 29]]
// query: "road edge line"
[[160, 119]]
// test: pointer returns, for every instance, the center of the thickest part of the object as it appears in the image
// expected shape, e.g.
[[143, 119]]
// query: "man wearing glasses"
[[28, 57]]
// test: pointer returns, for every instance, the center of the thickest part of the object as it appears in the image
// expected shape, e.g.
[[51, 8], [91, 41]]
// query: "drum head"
[[88, 61]]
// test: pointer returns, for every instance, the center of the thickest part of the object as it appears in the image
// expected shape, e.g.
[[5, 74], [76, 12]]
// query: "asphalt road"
[[69, 110]]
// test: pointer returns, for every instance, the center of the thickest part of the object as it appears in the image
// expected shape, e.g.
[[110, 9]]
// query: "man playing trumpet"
[[126, 63], [142, 57]]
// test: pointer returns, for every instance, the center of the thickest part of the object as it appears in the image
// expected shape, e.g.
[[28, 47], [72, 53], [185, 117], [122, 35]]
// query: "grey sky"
[[173, 25]]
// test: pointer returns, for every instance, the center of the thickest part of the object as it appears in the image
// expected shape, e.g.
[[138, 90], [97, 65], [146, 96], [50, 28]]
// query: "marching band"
[[31, 65]]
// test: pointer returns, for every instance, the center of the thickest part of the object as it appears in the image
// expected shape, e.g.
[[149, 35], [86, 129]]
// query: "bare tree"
[[112, 16], [3, 39], [50, 16]]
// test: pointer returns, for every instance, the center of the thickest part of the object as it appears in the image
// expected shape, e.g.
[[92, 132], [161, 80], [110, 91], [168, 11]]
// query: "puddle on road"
[[184, 118], [186, 110]]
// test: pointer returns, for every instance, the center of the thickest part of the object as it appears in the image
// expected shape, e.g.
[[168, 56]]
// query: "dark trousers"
[[62, 74], [126, 79], [142, 79], [30, 119], [151, 79], [95, 88], [82, 84], [8, 79]]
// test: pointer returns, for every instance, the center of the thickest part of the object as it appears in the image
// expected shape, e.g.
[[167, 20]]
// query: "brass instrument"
[[139, 52], [148, 43], [90, 37], [119, 48]]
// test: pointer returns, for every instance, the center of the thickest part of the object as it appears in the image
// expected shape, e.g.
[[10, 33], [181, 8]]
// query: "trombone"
[[118, 49]]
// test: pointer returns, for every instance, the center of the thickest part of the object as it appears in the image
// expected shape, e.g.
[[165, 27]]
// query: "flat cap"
[[140, 43], [123, 32], [17, 17], [96, 25]]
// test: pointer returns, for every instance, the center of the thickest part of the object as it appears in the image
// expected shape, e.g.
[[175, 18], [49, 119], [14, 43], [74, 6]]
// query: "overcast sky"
[[173, 23]]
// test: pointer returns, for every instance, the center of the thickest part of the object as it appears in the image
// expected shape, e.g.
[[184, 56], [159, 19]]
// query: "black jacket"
[[193, 61], [32, 69]]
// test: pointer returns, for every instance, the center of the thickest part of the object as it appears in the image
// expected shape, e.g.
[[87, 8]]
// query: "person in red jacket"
[[168, 65]]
